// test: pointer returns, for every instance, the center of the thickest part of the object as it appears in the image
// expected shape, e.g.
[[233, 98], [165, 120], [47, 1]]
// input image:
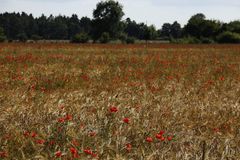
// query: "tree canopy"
[[108, 24], [107, 18], [2, 36]]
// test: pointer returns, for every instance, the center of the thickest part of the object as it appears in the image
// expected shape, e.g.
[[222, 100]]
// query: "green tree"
[[2, 36], [210, 28], [201, 28], [57, 27], [85, 25], [166, 30], [73, 26], [234, 27], [132, 28], [107, 18], [176, 30], [228, 37], [194, 25], [150, 33], [43, 26]]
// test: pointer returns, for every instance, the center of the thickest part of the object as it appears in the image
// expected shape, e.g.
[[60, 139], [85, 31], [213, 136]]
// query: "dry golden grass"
[[62, 101]]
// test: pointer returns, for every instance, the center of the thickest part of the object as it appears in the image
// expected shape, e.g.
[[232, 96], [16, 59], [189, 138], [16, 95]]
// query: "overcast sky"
[[151, 11]]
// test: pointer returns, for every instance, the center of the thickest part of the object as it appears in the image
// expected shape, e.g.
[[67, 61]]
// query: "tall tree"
[[43, 26], [150, 33], [234, 26], [107, 18], [73, 26], [210, 28], [58, 27], [86, 25], [2, 36], [166, 30], [131, 28], [176, 30], [194, 25]]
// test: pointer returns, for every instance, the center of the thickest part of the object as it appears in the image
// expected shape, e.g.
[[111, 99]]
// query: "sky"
[[154, 12]]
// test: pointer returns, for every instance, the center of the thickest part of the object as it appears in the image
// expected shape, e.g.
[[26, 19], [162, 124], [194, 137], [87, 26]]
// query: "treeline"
[[107, 24]]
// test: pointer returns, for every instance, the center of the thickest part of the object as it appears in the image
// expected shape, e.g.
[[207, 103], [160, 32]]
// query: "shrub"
[[228, 37], [80, 38], [2, 36], [130, 40], [22, 37], [105, 38], [205, 40], [36, 37], [123, 37], [186, 40]]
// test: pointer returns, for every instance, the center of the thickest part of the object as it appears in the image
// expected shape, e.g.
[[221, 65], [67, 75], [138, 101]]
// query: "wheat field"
[[123, 102]]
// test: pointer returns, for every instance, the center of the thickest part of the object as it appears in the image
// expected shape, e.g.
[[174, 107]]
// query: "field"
[[139, 102]]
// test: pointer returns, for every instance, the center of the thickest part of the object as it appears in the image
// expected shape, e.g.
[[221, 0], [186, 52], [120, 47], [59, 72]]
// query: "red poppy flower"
[[158, 136], [88, 151], [128, 147], [162, 139], [34, 134], [58, 154], [216, 130], [161, 132], [92, 134], [126, 120], [222, 78], [149, 139], [51, 142], [73, 150], [169, 138], [61, 120], [3, 154], [113, 109], [40, 141], [75, 142], [26, 133], [68, 117], [94, 155]]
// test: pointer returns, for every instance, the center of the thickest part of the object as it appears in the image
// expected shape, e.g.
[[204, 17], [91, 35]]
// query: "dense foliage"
[[2, 36], [80, 38], [107, 19], [229, 37]]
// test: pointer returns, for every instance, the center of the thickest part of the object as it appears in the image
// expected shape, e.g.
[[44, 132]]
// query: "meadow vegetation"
[[66, 101]]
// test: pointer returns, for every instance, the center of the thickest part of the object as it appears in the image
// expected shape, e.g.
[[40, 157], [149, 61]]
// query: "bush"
[[22, 37], [228, 37], [2, 36], [123, 37], [80, 38], [36, 37], [186, 40], [10, 40], [130, 40], [205, 40], [105, 38]]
